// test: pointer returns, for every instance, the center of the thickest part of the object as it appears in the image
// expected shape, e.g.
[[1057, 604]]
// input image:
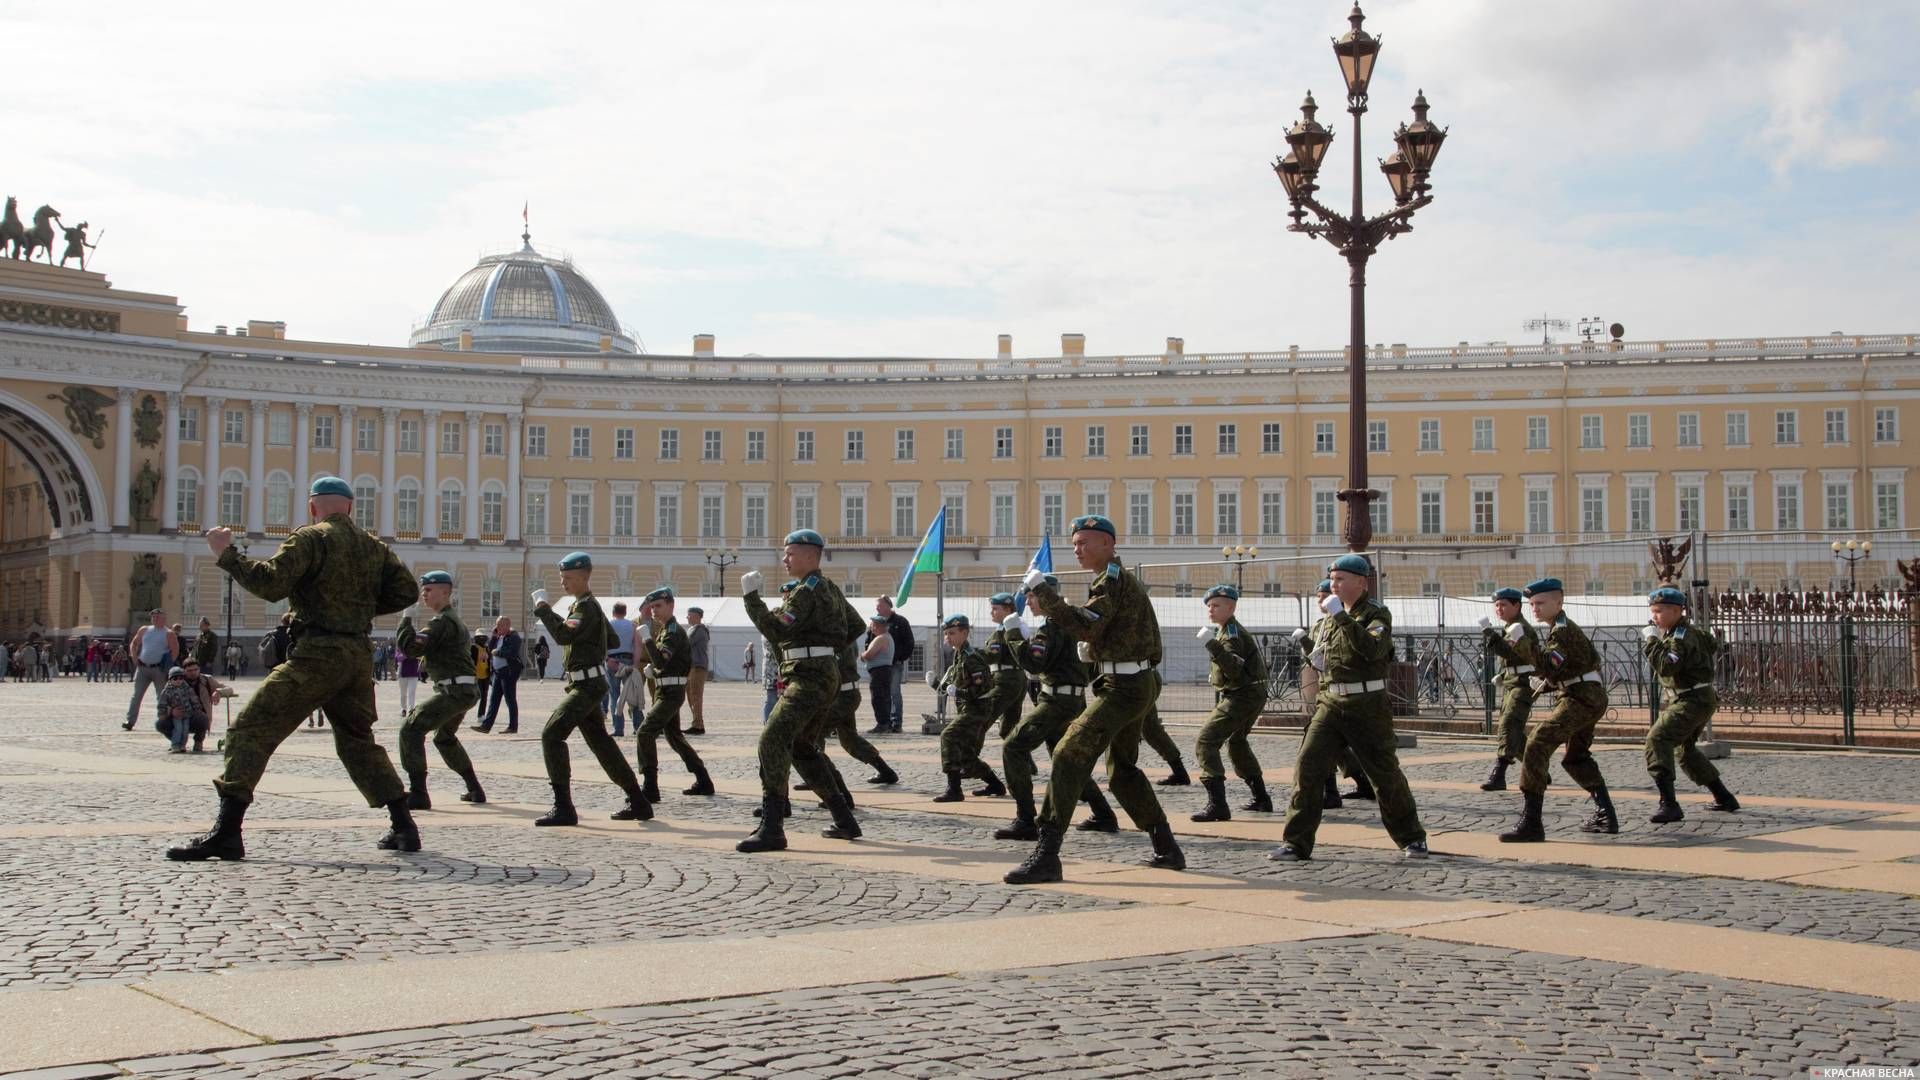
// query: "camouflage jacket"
[[445, 645], [334, 576], [1565, 652], [1683, 658], [1514, 652], [1359, 643], [1048, 655], [968, 679], [1007, 676], [1237, 665], [669, 651], [1117, 623], [813, 614], [584, 636]]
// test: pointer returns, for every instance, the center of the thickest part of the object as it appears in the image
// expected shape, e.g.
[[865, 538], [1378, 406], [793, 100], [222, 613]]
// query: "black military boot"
[[802, 785], [845, 826], [1043, 865], [1178, 777], [882, 774], [1669, 805], [1261, 801], [637, 808], [402, 835], [702, 783], [1362, 788], [222, 841], [417, 791], [840, 785], [770, 834], [563, 812], [1216, 808], [650, 785], [1530, 830], [993, 788], [1603, 819], [953, 792], [1723, 799], [786, 808], [1330, 794], [474, 793], [1166, 851], [1497, 779], [1102, 819], [1023, 826]]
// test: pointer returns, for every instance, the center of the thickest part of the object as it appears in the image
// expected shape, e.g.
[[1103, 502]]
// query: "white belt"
[[1521, 669], [998, 667], [808, 652], [1064, 691], [671, 680], [1591, 676], [457, 680], [1124, 667], [584, 674], [1367, 687], [846, 686], [1691, 689]]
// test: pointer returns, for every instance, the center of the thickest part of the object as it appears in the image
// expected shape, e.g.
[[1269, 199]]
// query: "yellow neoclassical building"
[[519, 423]]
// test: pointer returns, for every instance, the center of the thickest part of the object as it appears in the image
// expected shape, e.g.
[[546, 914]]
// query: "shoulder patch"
[[811, 581], [1679, 632], [1113, 570], [1377, 629], [1232, 629]]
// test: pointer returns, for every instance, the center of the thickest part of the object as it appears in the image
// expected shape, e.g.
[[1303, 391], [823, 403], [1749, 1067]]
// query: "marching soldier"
[[335, 578], [669, 655], [1569, 665], [584, 637], [1118, 634], [1047, 655], [1310, 678], [810, 627], [1352, 713], [845, 720], [1009, 684], [447, 654], [1239, 677], [1518, 647], [1153, 732], [1682, 656], [970, 679]]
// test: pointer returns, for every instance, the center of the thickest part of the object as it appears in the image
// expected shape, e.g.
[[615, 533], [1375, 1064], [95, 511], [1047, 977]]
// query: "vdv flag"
[[1043, 562], [930, 558]]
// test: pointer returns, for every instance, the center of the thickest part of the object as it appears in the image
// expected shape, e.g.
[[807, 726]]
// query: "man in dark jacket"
[[508, 657]]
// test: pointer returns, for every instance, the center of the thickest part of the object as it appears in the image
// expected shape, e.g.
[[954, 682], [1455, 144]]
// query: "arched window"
[[493, 510], [452, 509], [187, 497], [279, 500], [233, 499], [406, 507], [366, 498]]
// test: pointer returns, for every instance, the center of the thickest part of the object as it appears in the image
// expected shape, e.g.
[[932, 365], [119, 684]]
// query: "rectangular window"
[[1323, 511], [903, 444], [1323, 436], [803, 446], [189, 425], [493, 514], [1139, 514], [623, 441], [408, 437], [406, 510], [1689, 499], [1182, 439], [1138, 444], [1003, 514], [1097, 440], [669, 444], [856, 446], [1639, 430], [853, 515], [579, 513], [1483, 433], [323, 432], [537, 440], [753, 524], [710, 444], [491, 597], [366, 435], [954, 507], [493, 440], [582, 442], [1053, 442], [452, 513], [711, 516], [956, 444], [1836, 427], [1786, 427], [233, 502], [279, 428], [1226, 513], [534, 521], [1053, 514], [233, 427], [756, 446], [1097, 503], [904, 514], [453, 436], [1377, 514], [1590, 438], [1273, 513], [1593, 510], [1786, 505], [1183, 513], [1537, 433], [1430, 512], [1483, 512], [1737, 428], [1227, 439], [365, 501], [803, 512], [1270, 438], [1886, 425], [187, 500], [1687, 430], [1377, 436], [1430, 434], [625, 518], [1639, 508], [1839, 500], [1539, 511], [666, 514], [1003, 442], [1886, 505]]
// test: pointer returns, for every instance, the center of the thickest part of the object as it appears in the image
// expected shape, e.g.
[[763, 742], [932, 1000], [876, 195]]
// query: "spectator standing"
[[26, 663], [902, 632], [619, 660], [699, 640], [96, 660], [122, 663], [507, 648], [540, 653], [482, 670], [234, 656], [409, 681], [206, 647], [878, 656], [747, 669], [155, 646]]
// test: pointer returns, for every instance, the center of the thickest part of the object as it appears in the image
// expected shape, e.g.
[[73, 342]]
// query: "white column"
[[257, 469], [123, 459], [389, 416], [170, 465], [302, 424], [344, 435], [514, 509], [210, 433], [430, 498], [472, 506]]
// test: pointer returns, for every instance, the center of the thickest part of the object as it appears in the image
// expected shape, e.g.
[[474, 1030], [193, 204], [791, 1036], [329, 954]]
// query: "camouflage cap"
[[330, 485], [576, 560]]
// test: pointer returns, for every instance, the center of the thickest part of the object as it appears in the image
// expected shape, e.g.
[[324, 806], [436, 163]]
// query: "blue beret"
[[1667, 594], [1509, 593], [1326, 585], [436, 577], [1051, 580], [1227, 591], [330, 485], [1094, 522], [956, 620], [1004, 599], [1545, 584], [577, 560], [1351, 564], [696, 611], [805, 536], [664, 592]]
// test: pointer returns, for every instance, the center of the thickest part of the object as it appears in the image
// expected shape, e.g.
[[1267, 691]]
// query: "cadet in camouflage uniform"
[[1568, 664], [448, 656], [810, 627], [1239, 677], [1682, 657], [1120, 636], [969, 678], [1518, 647], [1310, 641], [336, 578], [1047, 655], [844, 723], [584, 637], [1009, 683], [1352, 712], [669, 655]]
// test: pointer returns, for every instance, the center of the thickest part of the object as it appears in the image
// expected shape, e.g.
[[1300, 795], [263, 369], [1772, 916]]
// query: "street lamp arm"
[[1394, 222]]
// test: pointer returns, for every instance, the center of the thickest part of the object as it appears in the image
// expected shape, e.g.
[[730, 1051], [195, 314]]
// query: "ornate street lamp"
[[720, 559], [1853, 553], [1355, 235], [1238, 556]]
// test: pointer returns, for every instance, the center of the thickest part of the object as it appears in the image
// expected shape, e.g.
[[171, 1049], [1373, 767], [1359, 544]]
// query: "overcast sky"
[[914, 178]]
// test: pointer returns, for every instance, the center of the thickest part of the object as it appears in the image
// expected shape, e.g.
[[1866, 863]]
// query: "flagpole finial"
[[526, 228]]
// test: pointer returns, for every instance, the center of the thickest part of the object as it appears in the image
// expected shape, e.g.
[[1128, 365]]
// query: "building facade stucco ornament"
[[83, 413], [147, 422]]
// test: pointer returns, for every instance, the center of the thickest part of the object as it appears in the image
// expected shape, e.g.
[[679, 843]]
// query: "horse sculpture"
[[13, 231], [40, 236]]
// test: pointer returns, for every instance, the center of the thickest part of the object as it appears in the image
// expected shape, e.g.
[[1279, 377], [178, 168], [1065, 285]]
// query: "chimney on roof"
[[466, 341], [703, 345], [1006, 346], [1176, 347], [1073, 344], [220, 329], [263, 328]]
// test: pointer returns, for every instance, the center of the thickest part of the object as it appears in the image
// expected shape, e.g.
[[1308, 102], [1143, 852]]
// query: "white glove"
[[1299, 635], [1486, 623], [1648, 632], [539, 598], [1084, 651], [750, 582], [1318, 659], [1011, 624], [1206, 632], [412, 613], [1332, 605], [933, 680], [1537, 684], [1515, 632], [1033, 580]]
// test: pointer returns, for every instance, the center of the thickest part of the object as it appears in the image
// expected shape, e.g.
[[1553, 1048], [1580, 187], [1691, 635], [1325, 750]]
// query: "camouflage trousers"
[[962, 740], [439, 716], [1111, 723], [1008, 696], [843, 722], [579, 709], [789, 740], [333, 674], [1682, 718], [1232, 718], [1153, 732], [1516, 705], [1044, 724], [663, 718], [1361, 724], [1571, 723]]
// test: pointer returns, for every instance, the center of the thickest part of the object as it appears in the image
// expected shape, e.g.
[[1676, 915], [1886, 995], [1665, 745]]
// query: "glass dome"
[[523, 302]]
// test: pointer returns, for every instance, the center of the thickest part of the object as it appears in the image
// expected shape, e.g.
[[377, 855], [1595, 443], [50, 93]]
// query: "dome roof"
[[523, 302]]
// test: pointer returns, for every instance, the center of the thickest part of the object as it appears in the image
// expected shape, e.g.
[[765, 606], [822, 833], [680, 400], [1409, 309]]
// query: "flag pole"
[[939, 619]]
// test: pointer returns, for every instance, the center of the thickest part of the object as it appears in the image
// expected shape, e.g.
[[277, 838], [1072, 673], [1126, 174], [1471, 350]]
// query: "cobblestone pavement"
[[1853, 777], [1293, 1010]]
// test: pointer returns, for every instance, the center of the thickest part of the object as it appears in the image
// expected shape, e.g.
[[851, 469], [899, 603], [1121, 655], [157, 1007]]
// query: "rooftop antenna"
[[1546, 327], [526, 229]]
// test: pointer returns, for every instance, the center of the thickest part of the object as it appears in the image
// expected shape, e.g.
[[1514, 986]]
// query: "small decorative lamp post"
[[720, 559], [1238, 556]]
